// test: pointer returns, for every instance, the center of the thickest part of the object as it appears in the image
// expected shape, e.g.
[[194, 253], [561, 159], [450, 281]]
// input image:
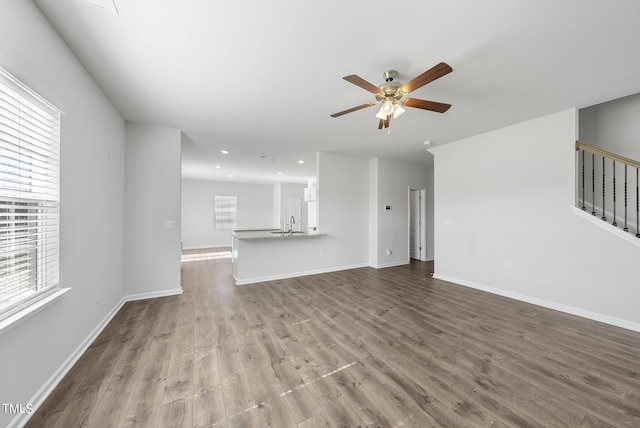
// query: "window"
[[29, 195], [225, 212]]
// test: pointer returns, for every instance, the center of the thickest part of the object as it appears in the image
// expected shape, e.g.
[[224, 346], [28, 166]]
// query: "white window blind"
[[29, 195], [225, 212]]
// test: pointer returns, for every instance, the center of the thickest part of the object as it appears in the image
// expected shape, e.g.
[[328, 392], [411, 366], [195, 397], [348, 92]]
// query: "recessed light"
[[224, 152], [300, 161], [279, 172], [218, 167], [427, 143], [230, 176]]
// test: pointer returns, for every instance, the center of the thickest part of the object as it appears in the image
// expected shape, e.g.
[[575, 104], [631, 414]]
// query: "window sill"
[[15, 319]]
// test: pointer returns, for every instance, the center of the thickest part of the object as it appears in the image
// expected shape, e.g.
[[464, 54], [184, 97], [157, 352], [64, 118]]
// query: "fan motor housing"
[[390, 89]]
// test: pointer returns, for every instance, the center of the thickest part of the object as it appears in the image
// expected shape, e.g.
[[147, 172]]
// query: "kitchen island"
[[267, 254]]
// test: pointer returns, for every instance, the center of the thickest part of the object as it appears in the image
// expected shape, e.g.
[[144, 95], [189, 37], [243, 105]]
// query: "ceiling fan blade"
[[426, 105], [359, 81], [381, 124], [352, 109], [430, 75]]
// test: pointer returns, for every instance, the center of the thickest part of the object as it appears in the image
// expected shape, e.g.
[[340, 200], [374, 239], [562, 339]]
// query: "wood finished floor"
[[365, 347]]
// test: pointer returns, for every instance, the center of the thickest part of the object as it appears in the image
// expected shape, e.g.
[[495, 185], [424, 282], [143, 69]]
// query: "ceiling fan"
[[391, 94]]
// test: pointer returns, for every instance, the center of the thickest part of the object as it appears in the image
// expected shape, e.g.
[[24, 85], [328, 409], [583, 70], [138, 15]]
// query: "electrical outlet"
[[509, 265], [97, 296]]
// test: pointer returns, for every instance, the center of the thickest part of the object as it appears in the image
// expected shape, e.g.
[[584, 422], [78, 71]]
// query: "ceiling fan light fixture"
[[386, 109], [397, 111], [391, 94]]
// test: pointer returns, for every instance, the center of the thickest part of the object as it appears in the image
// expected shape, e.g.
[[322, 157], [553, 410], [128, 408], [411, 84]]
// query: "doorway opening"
[[417, 223]]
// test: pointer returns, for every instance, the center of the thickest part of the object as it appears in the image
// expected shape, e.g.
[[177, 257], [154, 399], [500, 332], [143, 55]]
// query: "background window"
[[29, 195], [225, 212]]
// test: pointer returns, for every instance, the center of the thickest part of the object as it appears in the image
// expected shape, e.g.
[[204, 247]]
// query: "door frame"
[[423, 221]]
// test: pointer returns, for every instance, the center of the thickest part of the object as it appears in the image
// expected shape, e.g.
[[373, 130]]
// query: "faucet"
[[291, 223]]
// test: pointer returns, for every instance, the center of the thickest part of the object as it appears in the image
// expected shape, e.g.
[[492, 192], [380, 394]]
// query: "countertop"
[[249, 234]]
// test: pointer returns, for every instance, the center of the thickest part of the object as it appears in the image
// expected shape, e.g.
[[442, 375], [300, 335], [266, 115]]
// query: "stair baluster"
[[604, 216], [583, 207], [637, 204], [622, 221], [615, 222], [626, 226], [593, 184]]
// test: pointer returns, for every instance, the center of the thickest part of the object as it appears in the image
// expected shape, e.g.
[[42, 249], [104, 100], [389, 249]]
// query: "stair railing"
[[607, 205]]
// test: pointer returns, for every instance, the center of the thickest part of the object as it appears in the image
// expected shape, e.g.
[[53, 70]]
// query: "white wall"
[[613, 126], [390, 228], [92, 207], [504, 223], [343, 209], [255, 210], [373, 212], [277, 206], [152, 229], [429, 206]]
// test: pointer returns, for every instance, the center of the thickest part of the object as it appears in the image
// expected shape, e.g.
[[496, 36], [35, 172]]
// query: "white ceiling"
[[262, 77]]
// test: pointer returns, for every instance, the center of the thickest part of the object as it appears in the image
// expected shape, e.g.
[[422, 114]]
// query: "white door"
[[292, 209], [415, 231]]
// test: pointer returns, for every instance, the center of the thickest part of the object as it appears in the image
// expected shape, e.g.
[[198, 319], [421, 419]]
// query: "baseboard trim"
[[572, 310], [297, 274], [153, 294], [48, 387], [206, 247], [388, 265], [21, 419]]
